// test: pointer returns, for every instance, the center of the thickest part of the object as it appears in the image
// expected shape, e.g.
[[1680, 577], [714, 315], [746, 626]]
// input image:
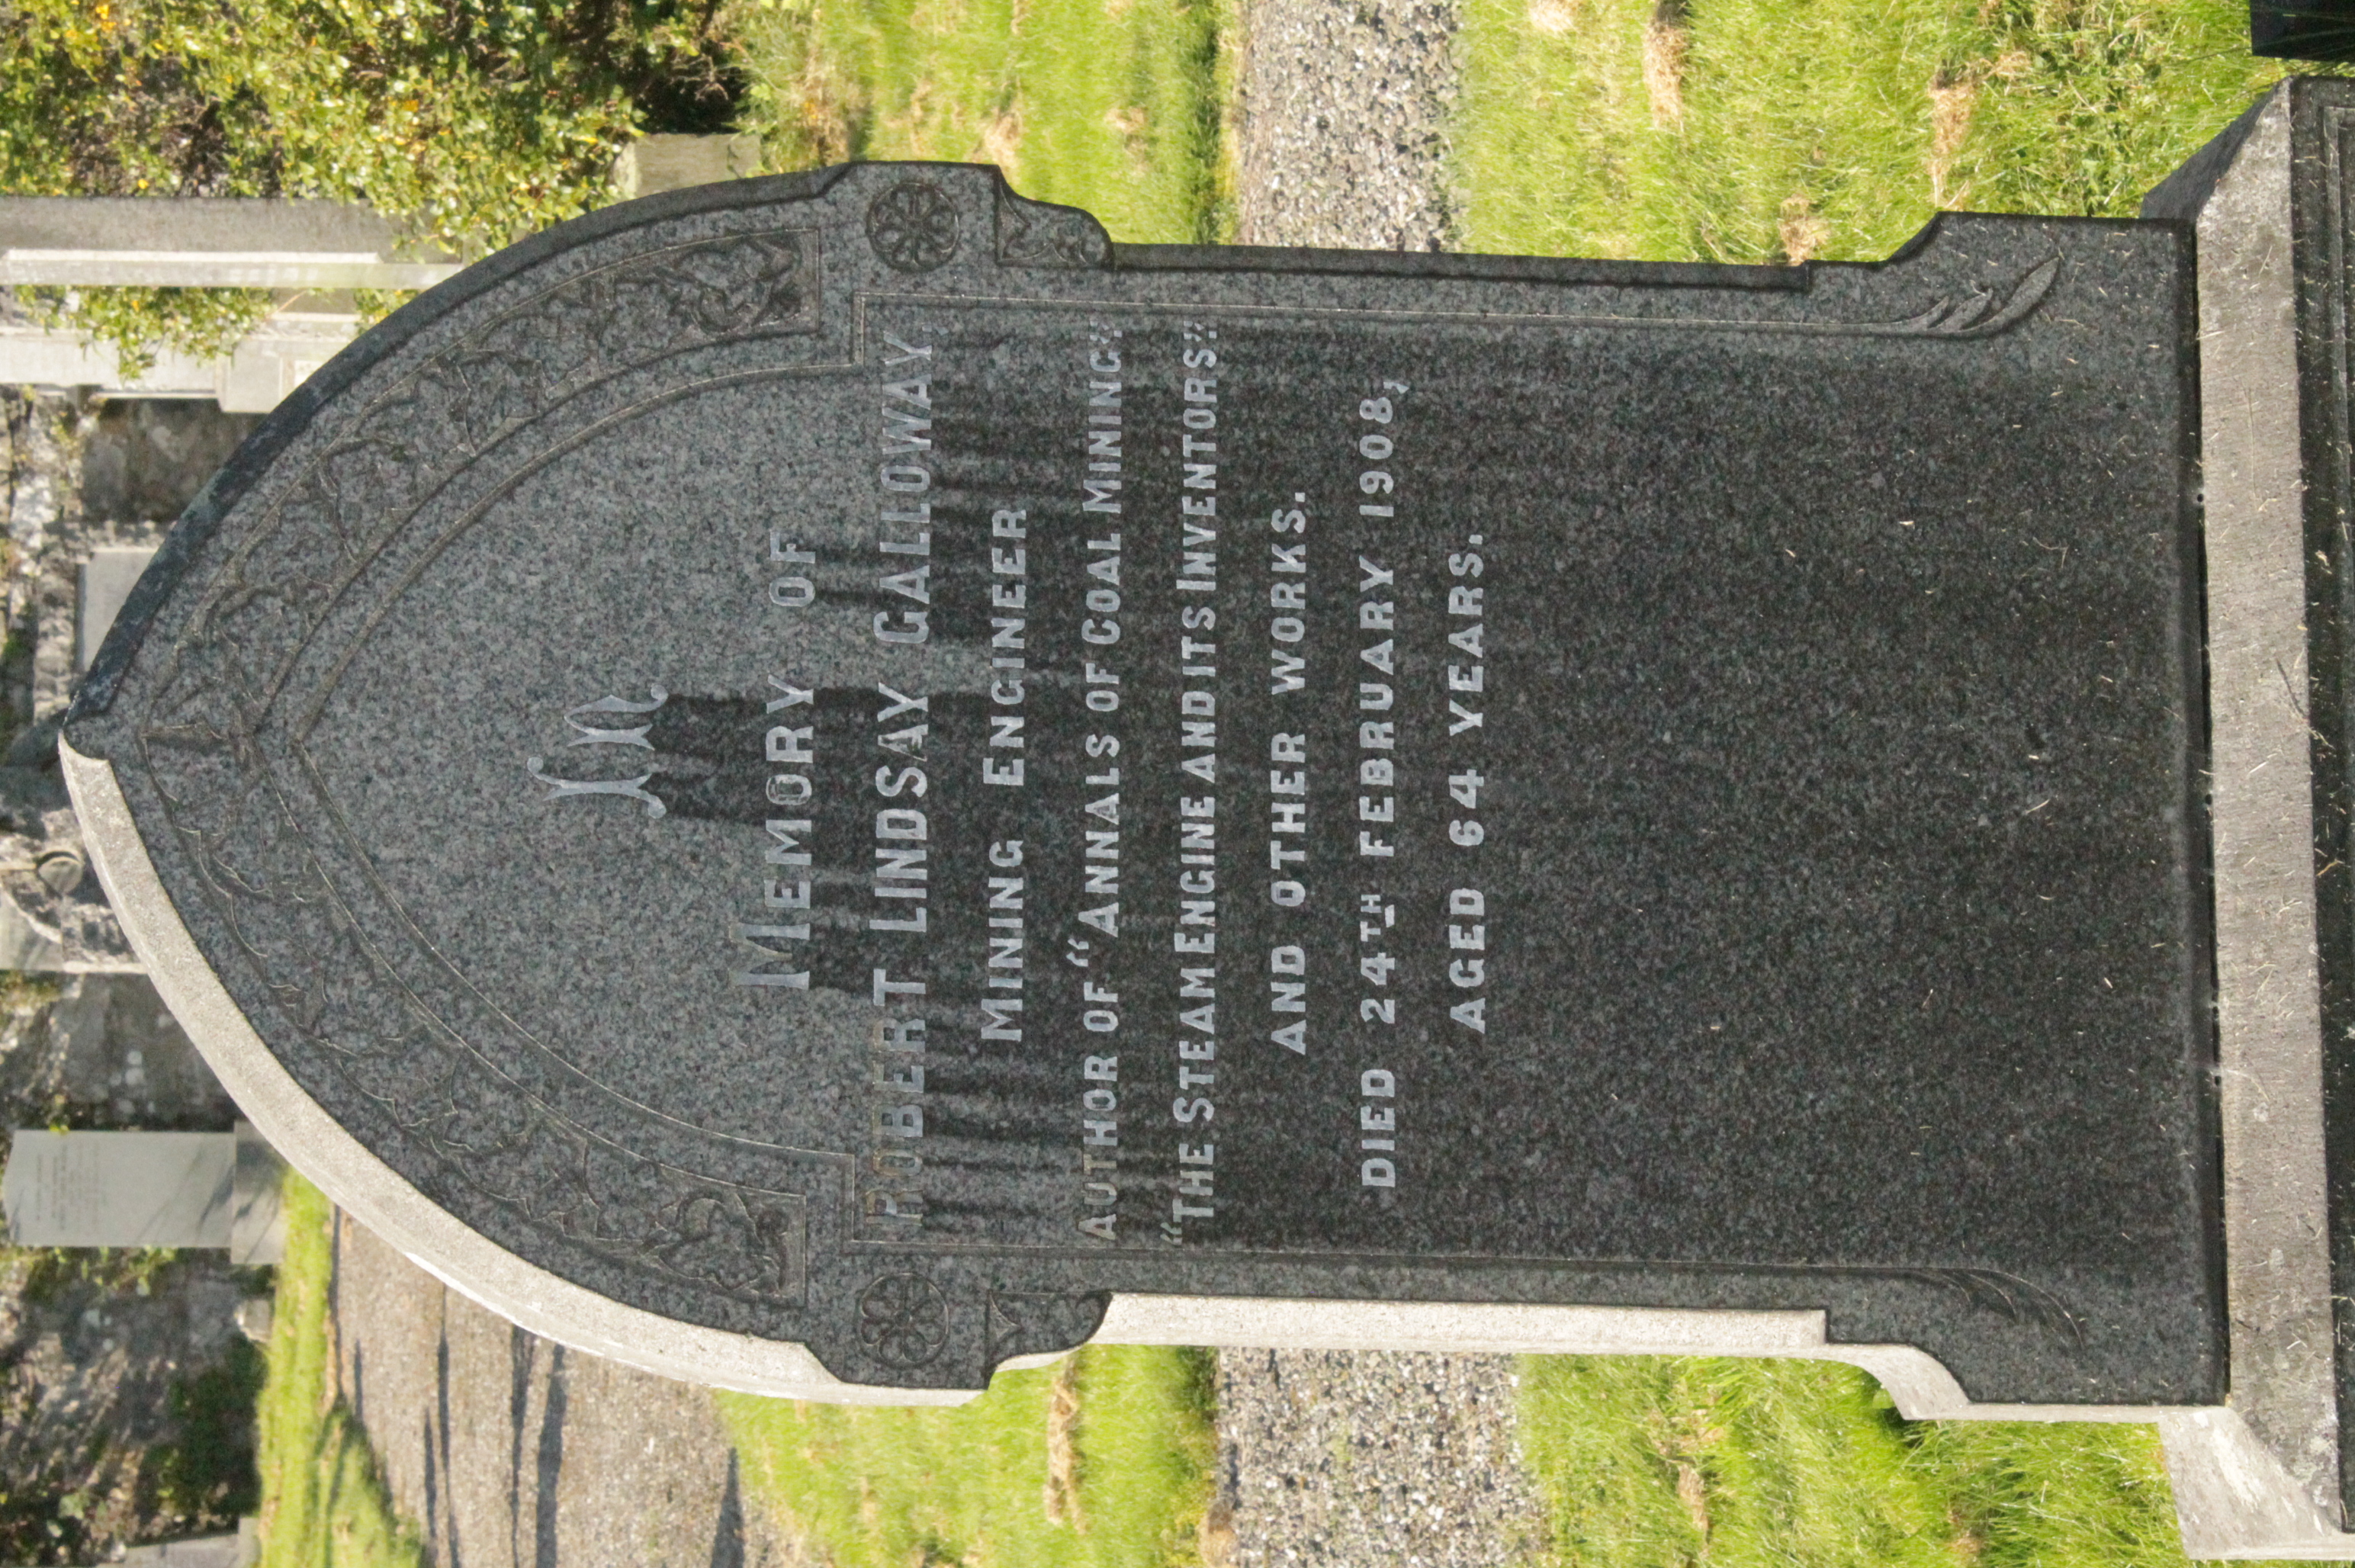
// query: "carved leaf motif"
[[1033, 234], [408, 1081], [332, 1007], [644, 316], [626, 1192], [1025, 1322], [491, 392], [373, 474], [1980, 312], [543, 1174], [253, 627], [428, 413], [2010, 1297], [711, 1237], [191, 715], [547, 347], [743, 285], [485, 1124], [242, 852]]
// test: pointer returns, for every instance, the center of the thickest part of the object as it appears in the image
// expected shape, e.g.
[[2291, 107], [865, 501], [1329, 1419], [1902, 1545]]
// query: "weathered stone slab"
[[107, 578], [208, 242], [145, 1189], [119, 1189], [1444, 779], [2269, 201], [665, 161]]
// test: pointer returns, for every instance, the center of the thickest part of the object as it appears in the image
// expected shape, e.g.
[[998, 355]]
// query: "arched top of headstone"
[[839, 762]]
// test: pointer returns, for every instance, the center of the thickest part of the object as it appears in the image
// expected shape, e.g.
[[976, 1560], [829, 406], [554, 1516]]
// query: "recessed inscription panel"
[[1474, 850], [1201, 778], [1124, 779]]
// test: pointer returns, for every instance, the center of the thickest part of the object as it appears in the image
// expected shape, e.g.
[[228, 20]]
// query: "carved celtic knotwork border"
[[199, 745]]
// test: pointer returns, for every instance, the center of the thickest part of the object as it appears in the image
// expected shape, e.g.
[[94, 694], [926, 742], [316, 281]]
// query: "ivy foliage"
[[470, 122]]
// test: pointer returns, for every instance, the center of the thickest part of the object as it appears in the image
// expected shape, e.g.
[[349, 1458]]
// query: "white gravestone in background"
[[120, 1190], [144, 1189], [107, 578]]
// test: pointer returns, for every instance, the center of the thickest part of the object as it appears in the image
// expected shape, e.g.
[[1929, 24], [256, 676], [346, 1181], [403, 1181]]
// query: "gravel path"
[[512, 1451], [1373, 1459], [1341, 123], [1366, 1459]]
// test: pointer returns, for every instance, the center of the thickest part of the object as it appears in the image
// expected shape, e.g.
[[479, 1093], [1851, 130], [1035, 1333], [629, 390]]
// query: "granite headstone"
[[839, 762]]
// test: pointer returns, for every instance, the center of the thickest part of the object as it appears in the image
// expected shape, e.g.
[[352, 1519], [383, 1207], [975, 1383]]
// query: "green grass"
[[1829, 127], [892, 1488], [1658, 1463], [322, 1505], [1113, 105], [207, 1473]]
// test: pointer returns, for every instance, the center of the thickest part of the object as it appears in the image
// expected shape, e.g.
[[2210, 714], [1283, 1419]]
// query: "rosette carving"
[[912, 226], [903, 1320]]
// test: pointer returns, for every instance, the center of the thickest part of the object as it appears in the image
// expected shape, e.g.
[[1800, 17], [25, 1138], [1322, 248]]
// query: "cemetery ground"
[[1116, 107], [498, 1448], [1104, 1459], [490, 1446], [126, 1389], [320, 1499], [1723, 130], [1739, 130], [1758, 131], [1742, 131]]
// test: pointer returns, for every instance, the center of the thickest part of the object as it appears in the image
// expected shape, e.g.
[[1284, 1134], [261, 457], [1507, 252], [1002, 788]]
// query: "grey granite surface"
[[1713, 755], [1340, 123], [1349, 1459], [2270, 197]]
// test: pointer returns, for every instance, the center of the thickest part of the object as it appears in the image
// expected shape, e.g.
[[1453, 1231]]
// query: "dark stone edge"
[[1457, 264], [2319, 257], [2199, 825], [2176, 203], [191, 537]]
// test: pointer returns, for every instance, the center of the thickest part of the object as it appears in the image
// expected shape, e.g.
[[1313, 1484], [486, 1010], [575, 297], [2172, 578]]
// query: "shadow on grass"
[[322, 1502], [208, 1471], [1115, 1472]]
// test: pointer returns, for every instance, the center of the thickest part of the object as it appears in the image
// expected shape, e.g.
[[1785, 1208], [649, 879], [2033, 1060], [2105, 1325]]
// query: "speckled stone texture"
[[1418, 778], [2275, 208], [1365, 1459], [1341, 123]]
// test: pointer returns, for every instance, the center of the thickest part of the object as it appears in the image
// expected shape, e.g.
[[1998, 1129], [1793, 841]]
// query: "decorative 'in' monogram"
[[593, 734]]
